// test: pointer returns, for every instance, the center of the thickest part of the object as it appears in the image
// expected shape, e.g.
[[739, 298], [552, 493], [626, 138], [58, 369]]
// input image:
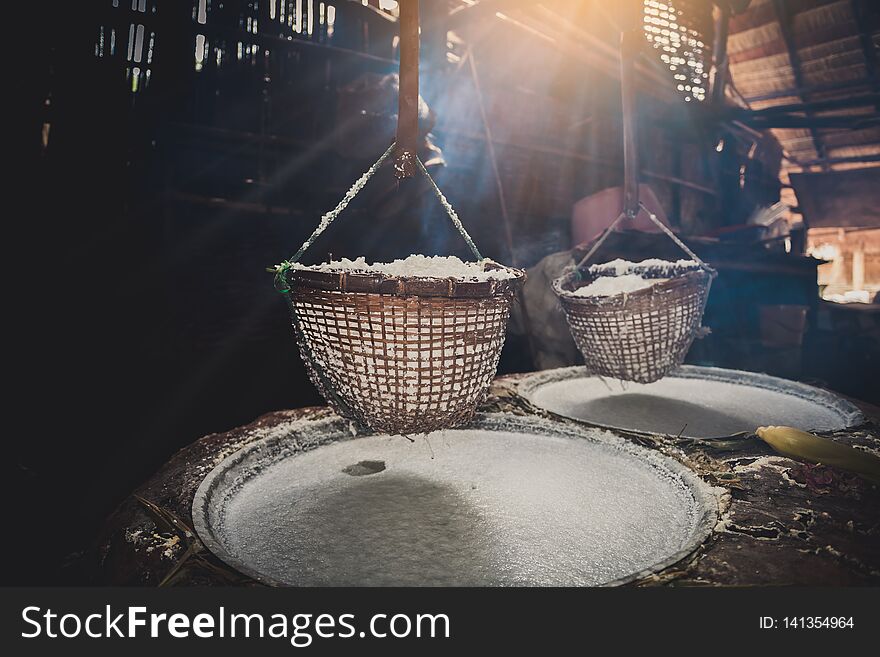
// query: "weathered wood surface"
[[785, 522]]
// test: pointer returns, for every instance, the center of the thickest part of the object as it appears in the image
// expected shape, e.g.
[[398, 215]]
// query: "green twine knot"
[[281, 276]]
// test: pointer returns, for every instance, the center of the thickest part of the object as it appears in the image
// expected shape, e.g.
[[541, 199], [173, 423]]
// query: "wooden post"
[[720, 63], [408, 97], [858, 266], [629, 42]]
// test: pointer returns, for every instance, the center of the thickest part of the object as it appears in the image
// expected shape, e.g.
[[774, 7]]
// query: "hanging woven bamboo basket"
[[399, 354], [642, 335], [639, 336]]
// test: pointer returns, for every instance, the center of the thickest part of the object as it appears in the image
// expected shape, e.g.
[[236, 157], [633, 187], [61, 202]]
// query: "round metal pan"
[[509, 500], [694, 402]]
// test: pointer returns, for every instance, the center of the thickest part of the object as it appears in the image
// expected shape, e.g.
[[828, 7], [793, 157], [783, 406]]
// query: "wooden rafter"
[[845, 102], [855, 159], [720, 62], [784, 16], [811, 123], [867, 43], [814, 89]]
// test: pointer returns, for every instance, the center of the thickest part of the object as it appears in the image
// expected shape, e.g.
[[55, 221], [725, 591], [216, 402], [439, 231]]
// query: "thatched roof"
[[812, 66]]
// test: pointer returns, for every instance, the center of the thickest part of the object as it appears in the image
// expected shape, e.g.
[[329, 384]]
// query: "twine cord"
[[453, 215], [327, 219], [652, 217], [281, 270]]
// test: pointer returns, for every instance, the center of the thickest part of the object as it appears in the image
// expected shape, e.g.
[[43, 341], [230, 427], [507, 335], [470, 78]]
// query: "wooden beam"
[[855, 159], [802, 91], [817, 106], [811, 123], [272, 41], [720, 63]]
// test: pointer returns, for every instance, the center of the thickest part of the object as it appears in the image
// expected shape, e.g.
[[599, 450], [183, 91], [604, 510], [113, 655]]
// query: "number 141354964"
[[807, 622]]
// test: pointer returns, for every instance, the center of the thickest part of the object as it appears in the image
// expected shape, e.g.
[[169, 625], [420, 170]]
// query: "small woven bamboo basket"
[[638, 336], [395, 354], [401, 355]]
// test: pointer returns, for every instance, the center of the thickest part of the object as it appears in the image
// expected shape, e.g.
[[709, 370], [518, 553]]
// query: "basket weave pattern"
[[640, 336], [402, 364]]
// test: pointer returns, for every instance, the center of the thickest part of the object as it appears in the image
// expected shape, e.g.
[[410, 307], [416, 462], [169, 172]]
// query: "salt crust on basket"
[[417, 266]]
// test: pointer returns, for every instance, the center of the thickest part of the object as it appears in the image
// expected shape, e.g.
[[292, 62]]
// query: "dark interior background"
[[154, 200]]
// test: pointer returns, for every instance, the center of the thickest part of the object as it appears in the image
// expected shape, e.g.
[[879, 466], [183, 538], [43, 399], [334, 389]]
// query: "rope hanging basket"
[[399, 354], [642, 335]]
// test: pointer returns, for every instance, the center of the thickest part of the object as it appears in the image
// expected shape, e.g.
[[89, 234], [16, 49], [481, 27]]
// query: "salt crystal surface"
[[417, 266], [472, 507], [621, 267], [698, 408], [609, 286]]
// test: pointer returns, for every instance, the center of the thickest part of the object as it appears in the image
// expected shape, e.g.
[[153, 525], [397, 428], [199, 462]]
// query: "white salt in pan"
[[417, 266], [609, 286], [696, 407], [463, 507]]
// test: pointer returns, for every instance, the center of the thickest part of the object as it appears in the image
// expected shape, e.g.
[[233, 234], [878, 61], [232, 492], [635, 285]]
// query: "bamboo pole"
[[628, 52], [408, 96]]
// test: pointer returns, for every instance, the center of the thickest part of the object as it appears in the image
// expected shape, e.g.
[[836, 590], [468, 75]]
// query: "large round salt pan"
[[697, 402], [508, 503]]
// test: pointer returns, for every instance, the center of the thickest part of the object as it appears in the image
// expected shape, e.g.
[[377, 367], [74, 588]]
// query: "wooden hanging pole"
[[408, 95], [631, 39]]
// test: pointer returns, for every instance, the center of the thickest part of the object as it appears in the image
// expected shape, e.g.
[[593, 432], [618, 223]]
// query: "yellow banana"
[[808, 447]]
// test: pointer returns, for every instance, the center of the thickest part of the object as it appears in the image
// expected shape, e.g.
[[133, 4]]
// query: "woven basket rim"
[[421, 286], [698, 275]]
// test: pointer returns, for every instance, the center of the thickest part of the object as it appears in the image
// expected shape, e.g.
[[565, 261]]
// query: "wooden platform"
[[785, 522]]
